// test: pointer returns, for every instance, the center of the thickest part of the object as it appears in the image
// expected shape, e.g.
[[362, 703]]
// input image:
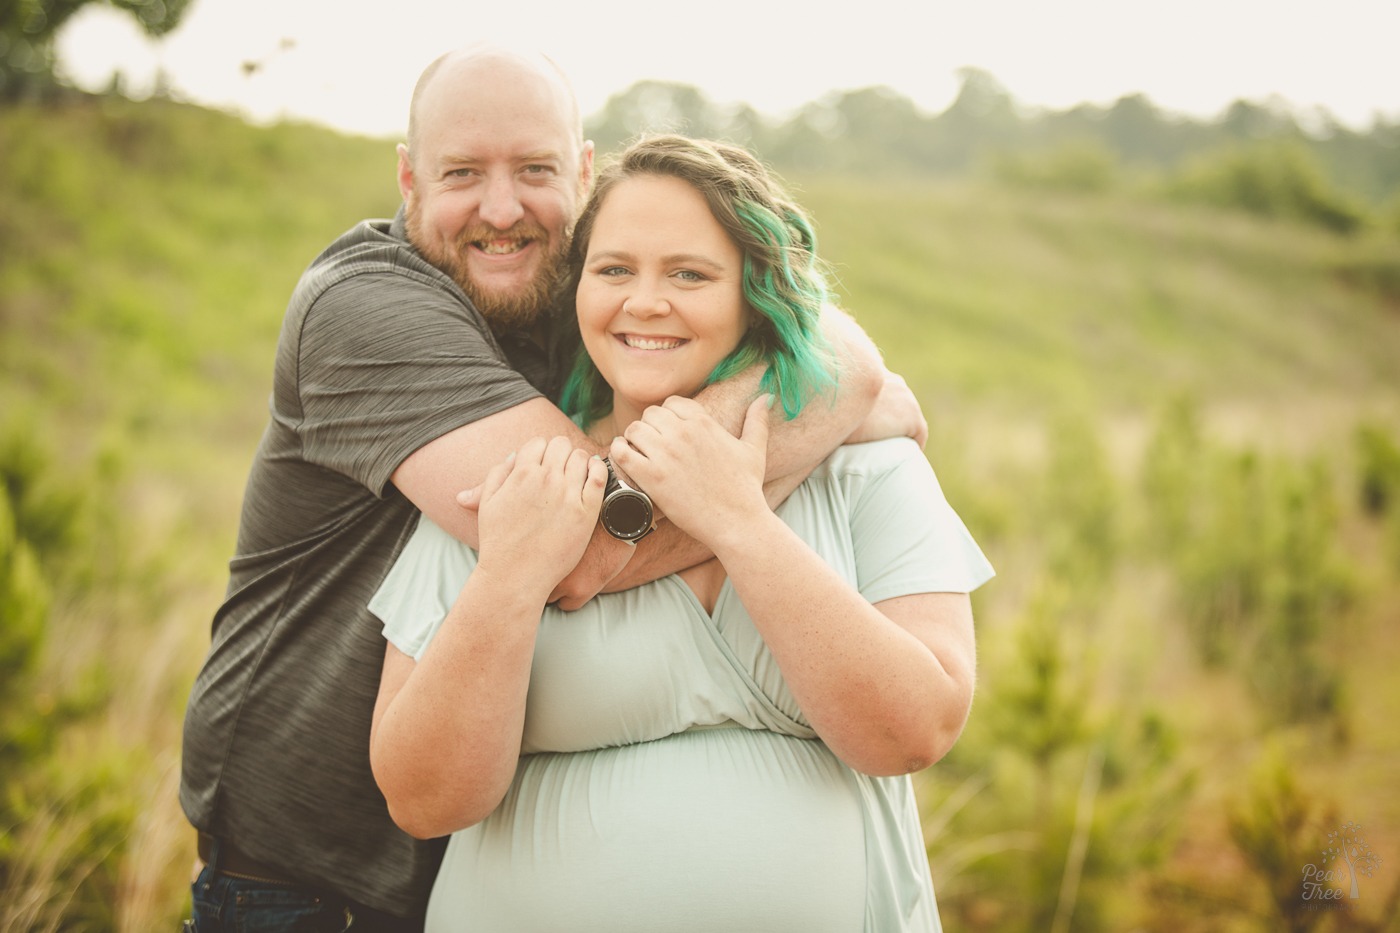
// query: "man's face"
[[493, 188]]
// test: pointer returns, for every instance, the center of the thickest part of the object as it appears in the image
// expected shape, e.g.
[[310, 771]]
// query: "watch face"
[[628, 516]]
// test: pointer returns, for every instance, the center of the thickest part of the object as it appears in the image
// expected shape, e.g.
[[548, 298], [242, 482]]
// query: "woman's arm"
[[446, 732], [888, 686]]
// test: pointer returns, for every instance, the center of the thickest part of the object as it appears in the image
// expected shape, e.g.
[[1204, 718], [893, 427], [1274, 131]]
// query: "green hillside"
[[1176, 432]]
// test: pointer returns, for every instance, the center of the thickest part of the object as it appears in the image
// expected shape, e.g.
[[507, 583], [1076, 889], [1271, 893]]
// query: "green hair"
[[783, 280]]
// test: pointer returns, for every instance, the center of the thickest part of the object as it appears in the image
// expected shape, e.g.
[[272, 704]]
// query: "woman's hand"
[[447, 728], [537, 511], [706, 480]]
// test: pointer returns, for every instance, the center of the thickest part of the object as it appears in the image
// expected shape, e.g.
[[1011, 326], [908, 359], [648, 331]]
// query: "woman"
[[727, 748]]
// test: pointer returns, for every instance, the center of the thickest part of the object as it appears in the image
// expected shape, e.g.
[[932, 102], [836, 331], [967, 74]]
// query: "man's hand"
[[896, 414]]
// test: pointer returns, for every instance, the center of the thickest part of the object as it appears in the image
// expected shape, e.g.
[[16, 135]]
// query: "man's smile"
[[502, 246]]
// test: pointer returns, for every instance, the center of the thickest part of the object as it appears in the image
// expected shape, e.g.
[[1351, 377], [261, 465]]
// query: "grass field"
[[1150, 415]]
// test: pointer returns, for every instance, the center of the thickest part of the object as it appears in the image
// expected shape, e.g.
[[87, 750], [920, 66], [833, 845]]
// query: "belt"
[[233, 862]]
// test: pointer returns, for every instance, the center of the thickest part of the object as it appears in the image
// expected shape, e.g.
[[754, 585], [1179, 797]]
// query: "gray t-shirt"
[[380, 353]]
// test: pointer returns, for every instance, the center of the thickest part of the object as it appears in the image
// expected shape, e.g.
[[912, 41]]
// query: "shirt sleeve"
[[421, 587], [386, 363], [906, 537]]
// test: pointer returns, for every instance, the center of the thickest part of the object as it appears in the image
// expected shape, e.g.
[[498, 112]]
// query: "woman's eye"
[[612, 271], [688, 275]]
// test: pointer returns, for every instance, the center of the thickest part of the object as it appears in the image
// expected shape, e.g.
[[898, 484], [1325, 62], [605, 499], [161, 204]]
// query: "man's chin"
[[509, 309], [514, 300]]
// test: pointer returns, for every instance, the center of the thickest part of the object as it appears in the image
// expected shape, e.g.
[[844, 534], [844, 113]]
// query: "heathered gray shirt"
[[380, 353]]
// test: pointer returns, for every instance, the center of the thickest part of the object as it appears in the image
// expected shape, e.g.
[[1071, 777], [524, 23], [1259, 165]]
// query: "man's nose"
[[500, 204]]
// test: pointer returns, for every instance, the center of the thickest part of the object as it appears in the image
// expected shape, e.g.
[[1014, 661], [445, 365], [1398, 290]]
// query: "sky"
[[351, 64]]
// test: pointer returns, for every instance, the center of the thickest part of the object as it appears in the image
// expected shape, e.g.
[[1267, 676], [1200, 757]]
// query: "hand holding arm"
[[433, 476], [447, 730]]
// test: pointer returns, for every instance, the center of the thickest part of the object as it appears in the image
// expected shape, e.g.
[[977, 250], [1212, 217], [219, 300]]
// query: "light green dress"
[[669, 782]]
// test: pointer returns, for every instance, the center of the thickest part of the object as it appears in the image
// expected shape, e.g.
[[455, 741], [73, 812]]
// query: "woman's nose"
[[646, 302]]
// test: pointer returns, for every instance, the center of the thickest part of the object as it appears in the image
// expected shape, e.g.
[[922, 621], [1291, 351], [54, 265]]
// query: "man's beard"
[[504, 310]]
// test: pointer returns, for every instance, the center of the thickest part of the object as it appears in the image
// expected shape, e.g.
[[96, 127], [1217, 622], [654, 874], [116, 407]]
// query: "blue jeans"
[[229, 904], [233, 903]]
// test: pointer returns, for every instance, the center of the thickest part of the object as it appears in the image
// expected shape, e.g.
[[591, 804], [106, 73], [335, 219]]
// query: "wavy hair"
[[784, 283]]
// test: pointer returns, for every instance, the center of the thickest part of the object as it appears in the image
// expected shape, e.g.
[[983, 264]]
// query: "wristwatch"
[[627, 513]]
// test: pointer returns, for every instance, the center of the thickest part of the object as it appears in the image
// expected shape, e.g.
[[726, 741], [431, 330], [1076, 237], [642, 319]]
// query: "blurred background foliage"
[[1159, 358]]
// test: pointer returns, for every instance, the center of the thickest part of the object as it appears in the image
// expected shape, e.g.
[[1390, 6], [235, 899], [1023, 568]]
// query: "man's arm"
[[796, 447], [432, 476]]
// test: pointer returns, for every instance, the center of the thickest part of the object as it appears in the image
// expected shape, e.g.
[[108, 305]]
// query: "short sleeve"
[[906, 538], [421, 587], [388, 361]]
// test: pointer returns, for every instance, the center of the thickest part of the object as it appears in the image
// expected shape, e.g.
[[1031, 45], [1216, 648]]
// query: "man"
[[414, 356]]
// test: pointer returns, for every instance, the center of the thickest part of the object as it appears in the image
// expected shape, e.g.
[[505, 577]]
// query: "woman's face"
[[660, 302]]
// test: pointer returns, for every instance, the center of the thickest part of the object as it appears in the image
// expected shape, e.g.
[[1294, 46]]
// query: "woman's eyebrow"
[[669, 259]]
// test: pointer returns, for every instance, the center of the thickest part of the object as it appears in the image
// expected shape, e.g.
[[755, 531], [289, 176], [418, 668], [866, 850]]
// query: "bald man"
[[415, 354]]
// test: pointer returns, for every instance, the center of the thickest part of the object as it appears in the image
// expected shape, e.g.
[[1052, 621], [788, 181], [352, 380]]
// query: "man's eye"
[[539, 170]]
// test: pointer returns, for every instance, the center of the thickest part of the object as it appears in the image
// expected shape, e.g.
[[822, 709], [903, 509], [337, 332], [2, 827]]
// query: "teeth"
[[500, 247], [651, 343]]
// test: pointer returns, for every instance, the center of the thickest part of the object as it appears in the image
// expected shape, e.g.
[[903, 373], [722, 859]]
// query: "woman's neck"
[[613, 423]]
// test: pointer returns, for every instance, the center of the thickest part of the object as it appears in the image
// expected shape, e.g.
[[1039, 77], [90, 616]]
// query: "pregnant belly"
[[720, 829]]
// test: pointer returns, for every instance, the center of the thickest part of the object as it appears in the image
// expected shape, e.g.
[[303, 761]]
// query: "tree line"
[[1263, 157], [877, 131]]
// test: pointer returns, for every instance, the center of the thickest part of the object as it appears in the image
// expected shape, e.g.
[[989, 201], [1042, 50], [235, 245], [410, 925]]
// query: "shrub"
[[1379, 465], [63, 825], [1275, 180]]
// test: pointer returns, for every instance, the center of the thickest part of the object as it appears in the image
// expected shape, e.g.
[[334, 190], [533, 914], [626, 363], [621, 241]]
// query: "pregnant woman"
[[728, 748]]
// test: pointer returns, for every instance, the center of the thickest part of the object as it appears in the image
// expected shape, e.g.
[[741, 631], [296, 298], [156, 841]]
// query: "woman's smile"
[[643, 342]]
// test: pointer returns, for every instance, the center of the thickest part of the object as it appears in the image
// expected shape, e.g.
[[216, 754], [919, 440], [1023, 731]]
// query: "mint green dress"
[[669, 782]]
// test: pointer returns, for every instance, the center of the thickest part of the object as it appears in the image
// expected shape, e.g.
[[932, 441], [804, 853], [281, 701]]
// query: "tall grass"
[[1174, 428]]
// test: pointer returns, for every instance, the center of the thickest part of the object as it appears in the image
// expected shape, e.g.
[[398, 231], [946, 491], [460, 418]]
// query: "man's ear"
[[405, 173], [585, 168]]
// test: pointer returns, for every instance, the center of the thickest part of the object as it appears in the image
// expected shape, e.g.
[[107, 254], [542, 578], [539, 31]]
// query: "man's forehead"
[[480, 141], [516, 116]]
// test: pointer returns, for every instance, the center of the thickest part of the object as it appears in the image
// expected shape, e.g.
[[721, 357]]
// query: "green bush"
[[1081, 507], [1253, 545], [63, 826], [1171, 478], [1275, 180], [1378, 454], [1276, 826], [1075, 791]]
